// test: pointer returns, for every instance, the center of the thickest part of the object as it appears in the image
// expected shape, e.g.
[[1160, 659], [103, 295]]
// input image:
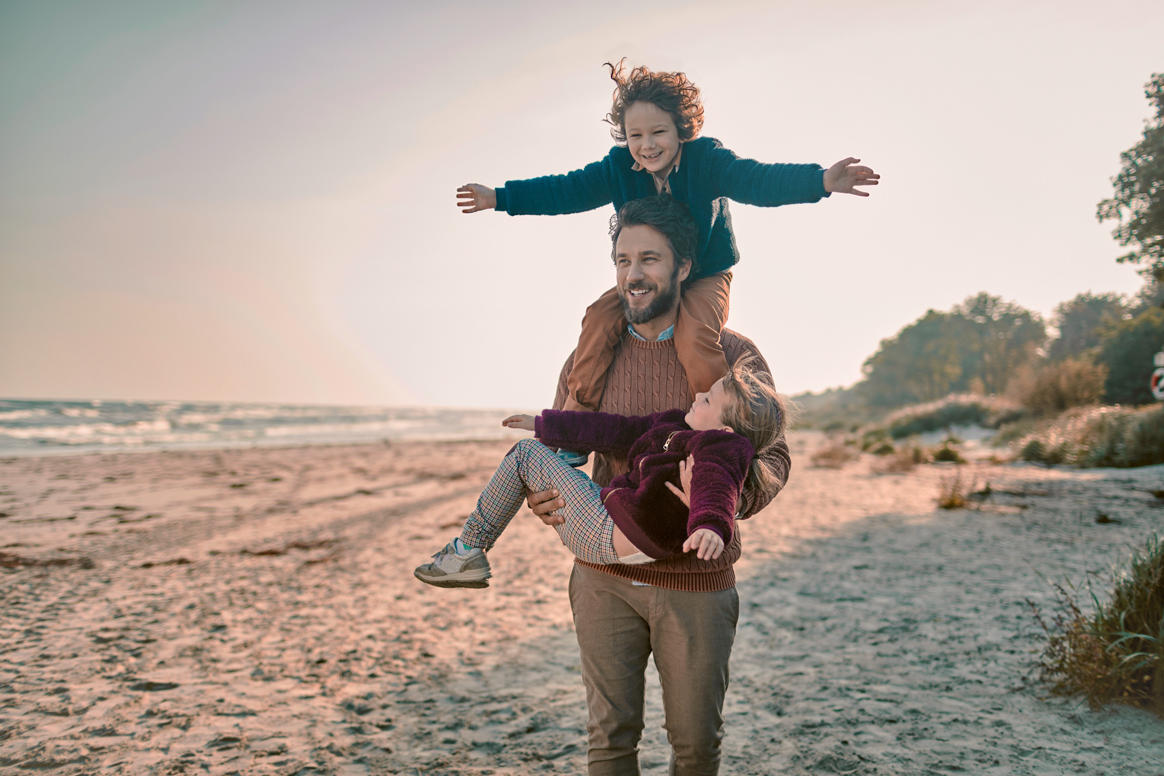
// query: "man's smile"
[[638, 292]]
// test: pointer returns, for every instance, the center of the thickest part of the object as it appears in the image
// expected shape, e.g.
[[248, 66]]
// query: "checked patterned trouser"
[[530, 464]]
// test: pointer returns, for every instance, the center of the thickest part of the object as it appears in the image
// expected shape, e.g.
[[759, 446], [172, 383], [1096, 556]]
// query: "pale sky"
[[256, 201]]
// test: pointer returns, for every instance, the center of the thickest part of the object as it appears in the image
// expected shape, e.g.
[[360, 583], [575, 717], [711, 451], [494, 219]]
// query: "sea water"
[[40, 427]]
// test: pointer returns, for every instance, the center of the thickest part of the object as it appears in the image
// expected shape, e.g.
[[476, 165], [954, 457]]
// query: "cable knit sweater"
[[646, 377], [647, 512]]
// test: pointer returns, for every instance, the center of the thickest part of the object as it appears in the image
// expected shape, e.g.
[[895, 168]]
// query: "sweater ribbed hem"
[[686, 582]]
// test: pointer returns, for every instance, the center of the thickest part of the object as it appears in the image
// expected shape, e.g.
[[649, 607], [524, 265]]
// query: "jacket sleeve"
[[765, 185], [721, 464], [553, 195], [600, 432]]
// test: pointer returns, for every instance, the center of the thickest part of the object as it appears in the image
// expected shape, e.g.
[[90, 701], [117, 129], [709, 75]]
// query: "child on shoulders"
[[655, 120]]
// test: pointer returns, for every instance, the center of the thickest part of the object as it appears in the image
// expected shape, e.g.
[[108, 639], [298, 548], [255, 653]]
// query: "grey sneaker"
[[448, 569]]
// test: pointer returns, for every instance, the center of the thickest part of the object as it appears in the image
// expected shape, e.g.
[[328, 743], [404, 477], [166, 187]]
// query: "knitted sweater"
[[647, 377], [648, 513], [708, 176]]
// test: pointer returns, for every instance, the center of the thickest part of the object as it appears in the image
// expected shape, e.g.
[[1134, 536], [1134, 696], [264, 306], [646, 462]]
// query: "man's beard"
[[664, 301]]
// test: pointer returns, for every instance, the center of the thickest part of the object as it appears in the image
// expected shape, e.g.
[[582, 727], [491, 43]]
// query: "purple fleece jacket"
[[640, 503]]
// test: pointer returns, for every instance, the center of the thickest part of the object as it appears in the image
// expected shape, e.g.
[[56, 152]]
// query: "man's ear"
[[684, 269]]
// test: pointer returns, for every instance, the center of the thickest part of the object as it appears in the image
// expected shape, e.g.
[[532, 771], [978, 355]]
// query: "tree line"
[[1102, 344]]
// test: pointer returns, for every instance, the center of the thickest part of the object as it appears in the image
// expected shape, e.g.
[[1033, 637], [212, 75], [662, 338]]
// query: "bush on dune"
[[965, 409], [1117, 654], [1060, 386], [1120, 437]]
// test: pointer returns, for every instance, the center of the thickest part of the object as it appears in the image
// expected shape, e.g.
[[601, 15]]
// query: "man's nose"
[[636, 271]]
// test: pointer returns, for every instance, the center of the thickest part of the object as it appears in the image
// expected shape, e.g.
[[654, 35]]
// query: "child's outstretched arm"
[[598, 431], [771, 185], [473, 197], [524, 422], [844, 175], [551, 195]]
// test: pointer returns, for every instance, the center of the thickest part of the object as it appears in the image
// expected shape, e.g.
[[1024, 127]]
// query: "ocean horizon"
[[46, 427]]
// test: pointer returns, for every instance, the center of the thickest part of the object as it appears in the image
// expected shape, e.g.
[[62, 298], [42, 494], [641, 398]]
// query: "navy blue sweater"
[[708, 176]]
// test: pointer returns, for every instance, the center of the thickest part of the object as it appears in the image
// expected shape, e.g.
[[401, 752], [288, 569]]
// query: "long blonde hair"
[[759, 412]]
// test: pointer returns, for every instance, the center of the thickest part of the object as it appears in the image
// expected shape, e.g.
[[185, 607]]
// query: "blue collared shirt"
[[665, 334]]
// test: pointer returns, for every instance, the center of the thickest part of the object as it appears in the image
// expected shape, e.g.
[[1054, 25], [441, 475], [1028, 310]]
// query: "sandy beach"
[[254, 611]]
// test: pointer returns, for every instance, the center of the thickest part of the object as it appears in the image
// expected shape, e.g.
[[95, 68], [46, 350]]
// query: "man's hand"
[[843, 176], [524, 422], [543, 503], [685, 468], [708, 544], [473, 197]]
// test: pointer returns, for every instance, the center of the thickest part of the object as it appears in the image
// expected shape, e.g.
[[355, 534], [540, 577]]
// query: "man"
[[684, 610]]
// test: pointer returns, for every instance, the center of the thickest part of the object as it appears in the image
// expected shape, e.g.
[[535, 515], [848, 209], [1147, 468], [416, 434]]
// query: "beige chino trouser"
[[619, 625]]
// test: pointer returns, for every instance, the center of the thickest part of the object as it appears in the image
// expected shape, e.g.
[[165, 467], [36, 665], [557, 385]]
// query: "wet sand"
[[254, 611]]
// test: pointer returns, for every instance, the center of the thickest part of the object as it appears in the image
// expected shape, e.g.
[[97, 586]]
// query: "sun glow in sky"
[[255, 201]]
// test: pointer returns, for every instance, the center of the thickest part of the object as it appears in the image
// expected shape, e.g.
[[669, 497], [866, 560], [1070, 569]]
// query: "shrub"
[[1117, 654], [1072, 382], [1098, 436], [947, 454]]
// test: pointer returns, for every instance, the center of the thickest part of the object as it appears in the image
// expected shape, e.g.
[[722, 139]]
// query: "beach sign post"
[[1158, 376]]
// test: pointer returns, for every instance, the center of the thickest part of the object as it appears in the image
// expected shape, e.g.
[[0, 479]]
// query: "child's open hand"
[[843, 176], [685, 468], [525, 422], [473, 197], [707, 543]]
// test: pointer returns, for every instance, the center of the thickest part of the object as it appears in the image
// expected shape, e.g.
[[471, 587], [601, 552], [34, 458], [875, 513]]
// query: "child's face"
[[651, 136], [707, 411]]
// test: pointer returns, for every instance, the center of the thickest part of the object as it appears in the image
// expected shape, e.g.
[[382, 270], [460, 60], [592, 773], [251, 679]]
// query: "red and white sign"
[[1158, 384]]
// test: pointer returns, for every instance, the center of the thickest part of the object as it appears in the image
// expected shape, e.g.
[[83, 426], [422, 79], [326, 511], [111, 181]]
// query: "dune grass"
[[1114, 655], [964, 409], [1097, 436]]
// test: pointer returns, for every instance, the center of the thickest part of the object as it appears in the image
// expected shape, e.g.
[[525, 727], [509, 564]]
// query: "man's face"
[[648, 276]]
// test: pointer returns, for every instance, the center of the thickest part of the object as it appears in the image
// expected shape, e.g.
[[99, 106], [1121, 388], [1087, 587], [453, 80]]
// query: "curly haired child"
[[655, 120]]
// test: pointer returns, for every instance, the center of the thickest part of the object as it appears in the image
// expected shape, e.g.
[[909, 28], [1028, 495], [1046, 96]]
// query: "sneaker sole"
[[474, 580]]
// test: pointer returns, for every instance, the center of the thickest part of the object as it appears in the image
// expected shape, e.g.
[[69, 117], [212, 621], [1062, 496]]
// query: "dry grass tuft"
[[833, 456], [953, 493], [1117, 654], [902, 461]]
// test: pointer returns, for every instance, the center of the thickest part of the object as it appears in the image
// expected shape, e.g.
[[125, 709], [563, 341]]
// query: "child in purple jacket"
[[681, 493]]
